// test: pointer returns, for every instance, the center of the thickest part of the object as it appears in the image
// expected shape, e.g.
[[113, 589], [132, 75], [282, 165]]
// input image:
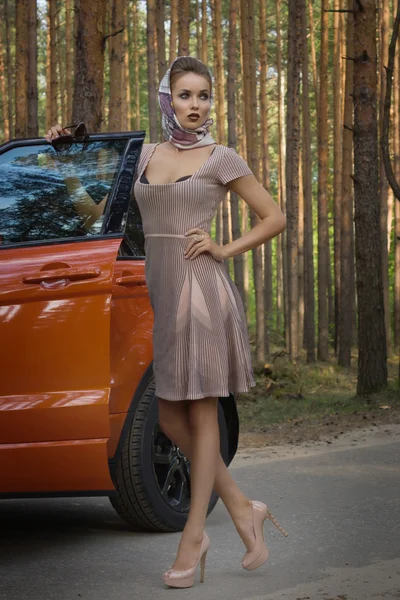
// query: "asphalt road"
[[340, 507]]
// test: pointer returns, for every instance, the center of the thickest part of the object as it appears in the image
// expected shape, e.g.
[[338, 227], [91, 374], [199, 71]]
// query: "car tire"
[[147, 464]]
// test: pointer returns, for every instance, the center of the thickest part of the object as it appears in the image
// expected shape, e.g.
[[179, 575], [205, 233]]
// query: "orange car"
[[78, 414]]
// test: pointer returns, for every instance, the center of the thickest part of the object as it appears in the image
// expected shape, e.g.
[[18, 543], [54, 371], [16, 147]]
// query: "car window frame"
[[116, 210]]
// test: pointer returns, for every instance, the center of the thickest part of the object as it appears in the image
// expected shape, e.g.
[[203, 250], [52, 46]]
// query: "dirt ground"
[[322, 430]]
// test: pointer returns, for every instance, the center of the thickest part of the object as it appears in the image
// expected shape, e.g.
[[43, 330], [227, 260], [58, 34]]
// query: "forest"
[[308, 92]]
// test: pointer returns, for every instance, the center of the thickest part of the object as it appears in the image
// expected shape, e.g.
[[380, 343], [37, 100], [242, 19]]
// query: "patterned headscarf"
[[179, 136]]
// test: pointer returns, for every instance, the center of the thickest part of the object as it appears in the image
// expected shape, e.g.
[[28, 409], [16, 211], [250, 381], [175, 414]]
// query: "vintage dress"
[[200, 340]]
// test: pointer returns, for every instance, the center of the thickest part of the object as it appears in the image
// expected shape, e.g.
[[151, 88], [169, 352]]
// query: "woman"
[[200, 340]]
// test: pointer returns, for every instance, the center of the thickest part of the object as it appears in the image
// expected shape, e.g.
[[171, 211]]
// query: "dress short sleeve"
[[232, 166]]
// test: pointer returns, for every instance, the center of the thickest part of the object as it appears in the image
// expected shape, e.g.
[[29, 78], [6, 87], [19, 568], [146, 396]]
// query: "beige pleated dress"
[[200, 339]]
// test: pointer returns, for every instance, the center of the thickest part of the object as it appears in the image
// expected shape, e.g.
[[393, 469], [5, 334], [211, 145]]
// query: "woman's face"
[[191, 100]]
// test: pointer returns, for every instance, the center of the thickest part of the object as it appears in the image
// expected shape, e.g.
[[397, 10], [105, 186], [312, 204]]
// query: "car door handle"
[[131, 280], [71, 274]]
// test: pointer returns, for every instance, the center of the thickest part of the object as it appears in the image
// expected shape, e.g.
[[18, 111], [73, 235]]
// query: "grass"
[[294, 391]]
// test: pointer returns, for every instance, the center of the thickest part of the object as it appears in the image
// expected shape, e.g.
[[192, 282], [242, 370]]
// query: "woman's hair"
[[187, 64]]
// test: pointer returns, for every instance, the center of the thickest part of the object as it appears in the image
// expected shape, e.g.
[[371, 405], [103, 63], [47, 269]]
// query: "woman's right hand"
[[55, 132]]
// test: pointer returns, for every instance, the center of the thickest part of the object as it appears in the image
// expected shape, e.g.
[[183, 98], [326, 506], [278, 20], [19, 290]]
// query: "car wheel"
[[152, 477]]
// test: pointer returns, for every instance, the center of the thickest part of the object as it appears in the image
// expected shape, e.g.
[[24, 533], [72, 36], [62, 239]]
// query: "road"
[[341, 507]]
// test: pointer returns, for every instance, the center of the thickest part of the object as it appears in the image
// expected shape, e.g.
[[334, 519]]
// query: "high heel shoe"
[[185, 579], [257, 557]]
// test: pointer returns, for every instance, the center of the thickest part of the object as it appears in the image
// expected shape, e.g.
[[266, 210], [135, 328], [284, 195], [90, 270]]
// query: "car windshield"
[[48, 194]]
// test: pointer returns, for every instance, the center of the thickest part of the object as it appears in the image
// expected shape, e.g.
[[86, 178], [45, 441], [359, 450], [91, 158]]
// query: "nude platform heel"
[[185, 579], [257, 557]]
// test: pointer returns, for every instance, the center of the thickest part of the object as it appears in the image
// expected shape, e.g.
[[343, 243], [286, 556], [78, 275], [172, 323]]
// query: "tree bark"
[[89, 63], [173, 36], [247, 25], [69, 50], [117, 61], [372, 367], [231, 97], [3, 89], [151, 70], [135, 58], [281, 259], [61, 84], [296, 9], [33, 125], [21, 68], [10, 70], [384, 186], [263, 58], [204, 43], [161, 52], [309, 300], [313, 52], [323, 232], [337, 169], [53, 63], [183, 27], [396, 140], [346, 300]]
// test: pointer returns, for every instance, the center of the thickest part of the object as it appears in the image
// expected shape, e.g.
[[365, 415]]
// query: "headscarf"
[[177, 135]]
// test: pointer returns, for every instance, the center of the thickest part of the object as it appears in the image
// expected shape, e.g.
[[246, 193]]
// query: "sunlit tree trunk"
[[384, 186], [69, 51], [250, 89], [9, 69], [151, 70], [135, 59], [183, 27], [309, 300], [3, 90], [21, 68], [296, 9], [372, 367], [161, 52], [263, 57], [231, 97], [323, 235], [204, 43], [313, 51], [117, 64], [173, 36], [347, 293], [52, 8], [33, 125], [61, 84], [396, 143], [281, 261], [337, 159], [89, 63]]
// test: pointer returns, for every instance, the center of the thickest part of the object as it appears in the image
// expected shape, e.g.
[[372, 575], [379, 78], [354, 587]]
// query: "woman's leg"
[[174, 421]]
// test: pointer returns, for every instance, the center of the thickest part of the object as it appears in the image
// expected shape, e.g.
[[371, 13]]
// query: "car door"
[[61, 224]]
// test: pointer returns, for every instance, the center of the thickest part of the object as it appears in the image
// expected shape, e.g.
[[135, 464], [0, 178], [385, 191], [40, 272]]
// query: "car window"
[[47, 194], [134, 236]]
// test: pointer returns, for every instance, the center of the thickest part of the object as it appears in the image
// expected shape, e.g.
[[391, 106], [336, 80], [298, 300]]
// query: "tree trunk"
[[135, 58], [281, 259], [33, 125], [53, 63], [21, 68], [313, 52], [263, 57], [69, 50], [9, 70], [372, 367], [161, 52], [183, 27], [296, 9], [337, 160], [204, 43], [3, 90], [309, 300], [89, 63], [250, 85], [396, 140], [346, 299], [151, 70], [384, 186], [323, 232], [173, 31], [117, 61], [126, 87], [231, 97], [61, 84]]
